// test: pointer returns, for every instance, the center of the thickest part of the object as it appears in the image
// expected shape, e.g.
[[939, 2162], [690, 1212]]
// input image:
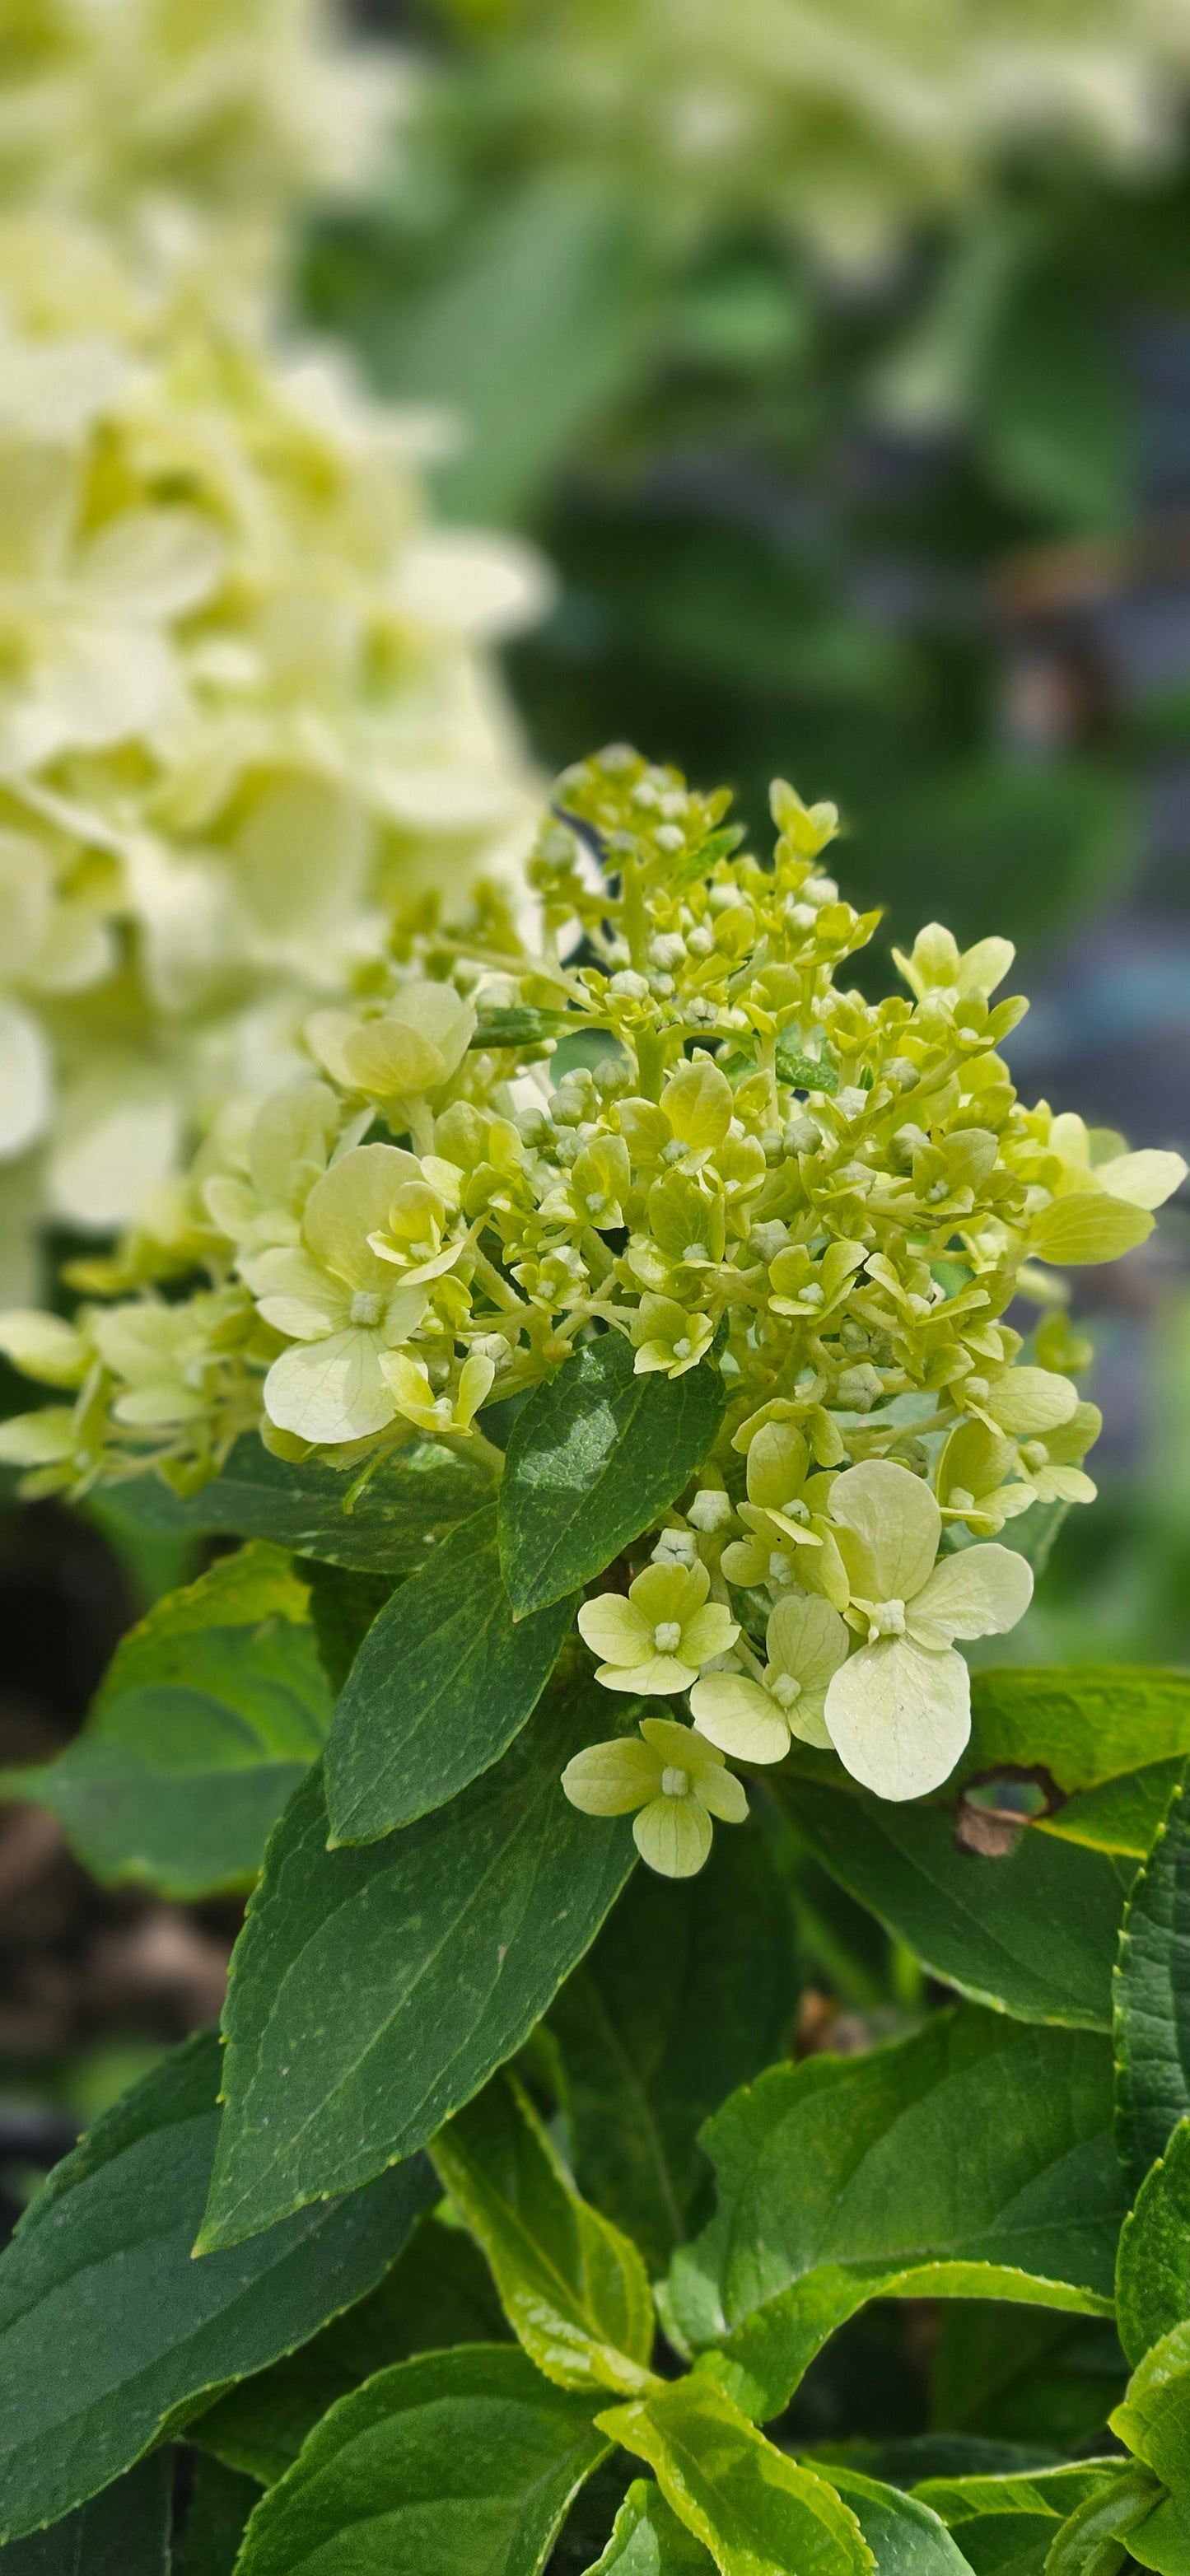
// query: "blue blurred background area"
[[840, 363]]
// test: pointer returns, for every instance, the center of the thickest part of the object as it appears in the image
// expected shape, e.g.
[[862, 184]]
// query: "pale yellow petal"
[[738, 1716], [615, 1629], [899, 1717], [890, 1528], [1144, 1180], [611, 1779], [724, 1795], [670, 1592], [807, 1639], [674, 1836], [349, 1203], [980, 1592], [1086, 1226], [329, 1391], [1031, 1401], [709, 1633]]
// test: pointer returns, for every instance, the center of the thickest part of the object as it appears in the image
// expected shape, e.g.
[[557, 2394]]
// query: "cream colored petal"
[[898, 1717], [611, 1779], [43, 1347], [40, 1439], [725, 1796], [1031, 1401], [328, 1035], [983, 967], [154, 564], [440, 1015], [384, 1058], [349, 1203], [1145, 1180], [296, 1295], [738, 1716], [671, 1591], [1087, 1226], [615, 1629], [674, 1836], [891, 1526], [657, 1678], [807, 1720], [329, 1391], [26, 1080], [709, 1633], [980, 1592], [96, 686], [675, 1743], [807, 1638]]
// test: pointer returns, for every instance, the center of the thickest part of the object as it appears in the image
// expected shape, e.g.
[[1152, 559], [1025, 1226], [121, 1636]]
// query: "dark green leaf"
[[574, 2290], [1153, 2416], [1026, 2375], [974, 2159], [442, 1682], [405, 1508], [1033, 1930], [1153, 2265], [756, 2511], [1052, 412], [594, 1456], [375, 1989], [110, 2332], [456, 2464], [648, 2057], [1088, 1724], [1010, 2523], [123, 2532], [210, 1713], [1153, 2000], [343, 1604], [648, 2540], [905, 2536], [438, 2292], [220, 2503]]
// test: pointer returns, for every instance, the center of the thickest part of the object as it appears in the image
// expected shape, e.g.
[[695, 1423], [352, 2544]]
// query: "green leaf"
[[438, 2292], [1096, 2537], [573, 2289], [1032, 1931], [442, 1682], [210, 1713], [1052, 412], [974, 2159], [109, 2332], [906, 2536], [593, 1457], [1028, 2375], [456, 2464], [220, 2503], [1010, 2523], [406, 1507], [756, 2511], [343, 1605], [1153, 2000], [374, 1990], [1089, 1724], [1153, 2264], [647, 2539], [648, 2057], [123, 2532], [1153, 2416]]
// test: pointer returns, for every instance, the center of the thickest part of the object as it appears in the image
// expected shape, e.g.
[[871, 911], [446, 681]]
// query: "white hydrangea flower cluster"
[[245, 697], [832, 1201], [846, 118]]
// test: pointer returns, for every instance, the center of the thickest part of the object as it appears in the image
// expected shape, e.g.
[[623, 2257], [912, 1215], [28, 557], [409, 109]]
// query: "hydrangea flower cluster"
[[846, 120], [245, 702], [744, 1166]]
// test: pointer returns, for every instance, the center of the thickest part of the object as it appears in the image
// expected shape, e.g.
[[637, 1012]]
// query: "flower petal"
[[738, 1716], [674, 1836], [611, 1779], [26, 1079], [709, 1633], [726, 1796], [349, 1203], [1145, 1180], [899, 1717], [654, 1679], [1028, 1402], [331, 1390], [891, 1526], [807, 1638], [296, 1295], [670, 1592], [615, 1629], [978, 1593]]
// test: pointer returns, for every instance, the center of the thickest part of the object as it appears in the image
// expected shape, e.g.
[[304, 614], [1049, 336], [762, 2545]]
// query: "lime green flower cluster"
[[846, 118], [744, 1166], [245, 700]]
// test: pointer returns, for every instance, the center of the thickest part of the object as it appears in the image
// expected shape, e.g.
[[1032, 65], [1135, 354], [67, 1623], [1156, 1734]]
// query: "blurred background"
[[836, 358]]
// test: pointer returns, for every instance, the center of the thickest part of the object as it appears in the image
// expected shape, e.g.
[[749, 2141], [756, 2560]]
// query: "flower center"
[[674, 1783], [785, 1688], [886, 1619], [367, 1306], [667, 1637], [682, 1347]]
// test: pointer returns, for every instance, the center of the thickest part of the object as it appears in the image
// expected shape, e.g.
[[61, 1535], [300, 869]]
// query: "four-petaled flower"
[[341, 1304], [676, 1779], [658, 1639], [899, 1711]]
